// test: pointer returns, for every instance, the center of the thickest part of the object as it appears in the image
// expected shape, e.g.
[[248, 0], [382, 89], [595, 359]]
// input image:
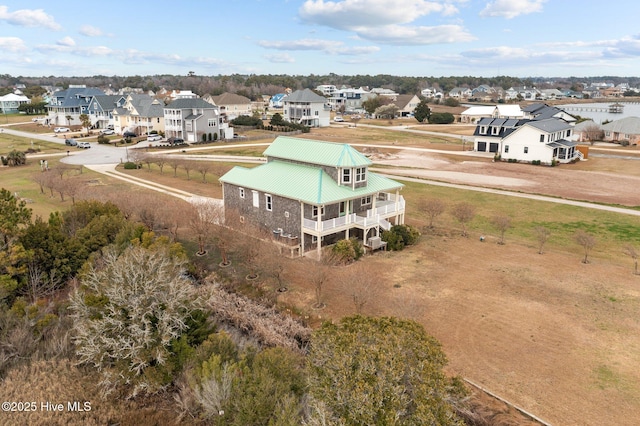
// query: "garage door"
[[482, 146], [493, 147]]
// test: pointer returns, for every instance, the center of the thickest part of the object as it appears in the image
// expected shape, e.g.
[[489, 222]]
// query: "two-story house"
[[306, 107], [232, 105], [101, 109], [139, 114], [313, 193], [191, 118], [10, 102], [350, 99]]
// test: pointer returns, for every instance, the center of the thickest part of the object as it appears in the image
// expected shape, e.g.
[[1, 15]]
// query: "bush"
[[130, 165], [215, 137], [624, 143], [102, 139], [441, 118], [246, 120], [348, 250], [536, 162], [400, 236]]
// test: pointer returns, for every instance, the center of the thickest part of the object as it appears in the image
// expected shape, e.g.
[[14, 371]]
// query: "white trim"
[[268, 202]]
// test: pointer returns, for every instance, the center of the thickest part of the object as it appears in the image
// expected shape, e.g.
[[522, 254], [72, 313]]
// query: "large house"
[[101, 110], [350, 99], [306, 107], [139, 114], [623, 130], [545, 138], [313, 193], [406, 104], [231, 105], [193, 119], [66, 106]]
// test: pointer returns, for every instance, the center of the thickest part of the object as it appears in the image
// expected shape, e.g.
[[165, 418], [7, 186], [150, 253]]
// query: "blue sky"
[[520, 38]]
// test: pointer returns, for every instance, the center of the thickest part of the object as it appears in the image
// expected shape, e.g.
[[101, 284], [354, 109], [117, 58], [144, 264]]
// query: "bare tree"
[[40, 178], [318, 276], [205, 214], [146, 158], [174, 162], [631, 251], [464, 212], [187, 165], [160, 161], [587, 241], [502, 223], [203, 167], [73, 187], [594, 133], [542, 234], [433, 207], [359, 283], [219, 169]]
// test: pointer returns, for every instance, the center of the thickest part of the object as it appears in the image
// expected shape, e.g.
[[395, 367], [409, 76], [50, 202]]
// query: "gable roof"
[[305, 95], [316, 152], [402, 101], [147, 106], [188, 103], [550, 125]]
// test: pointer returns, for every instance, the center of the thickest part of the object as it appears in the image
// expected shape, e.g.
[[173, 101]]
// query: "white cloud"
[[327, 46], [12, 44], [511, 8], [410, 35], [67, 41], [349, 14], [90, 31], [28, 18], [280, 58]]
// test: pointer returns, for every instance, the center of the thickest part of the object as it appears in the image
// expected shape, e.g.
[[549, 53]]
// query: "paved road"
[[105, 158]]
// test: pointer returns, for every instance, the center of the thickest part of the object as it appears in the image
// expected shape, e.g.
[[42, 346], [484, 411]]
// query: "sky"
[[420, 38]]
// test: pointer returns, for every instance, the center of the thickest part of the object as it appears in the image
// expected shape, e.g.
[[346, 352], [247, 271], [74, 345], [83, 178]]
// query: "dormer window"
[[346, 175], [361, 174], [483, 130]]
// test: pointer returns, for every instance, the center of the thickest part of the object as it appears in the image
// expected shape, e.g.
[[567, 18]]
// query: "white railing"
[[373, 217]]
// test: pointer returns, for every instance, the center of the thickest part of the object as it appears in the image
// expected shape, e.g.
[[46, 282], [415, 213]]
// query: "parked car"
[[129, 135], [70, 142], [107, 132], [84, 145], [338, 119], [175, 141], [61, 130], [152, 138]]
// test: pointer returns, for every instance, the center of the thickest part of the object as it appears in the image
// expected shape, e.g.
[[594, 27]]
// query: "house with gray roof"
[[310, 194], [139, 114], [66, 106], [545, 139], [231, 105], [193, 120], [306, 107], [101, 109], [623, 130]]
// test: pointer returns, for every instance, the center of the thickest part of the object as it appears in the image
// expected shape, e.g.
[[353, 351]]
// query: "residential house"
[[232, 105], [139, 114], [312, 193], [406, 104], [350, 99], [306, 107], [547, 140], [431, 93], [66, 106], [275, 102], [551, 94], [460, 93], [101, 109], [327, 90], [10, 102], [475, 113], [540, 111], [623, 131], [524, 93], [191, 118], [485, 93]]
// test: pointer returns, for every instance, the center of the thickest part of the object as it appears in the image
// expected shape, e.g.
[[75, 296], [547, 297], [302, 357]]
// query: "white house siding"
[[526, 137]]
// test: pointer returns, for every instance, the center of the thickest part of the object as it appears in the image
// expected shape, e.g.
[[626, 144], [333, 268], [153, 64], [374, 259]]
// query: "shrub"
[[624, 143], [400, 236], [246, 120], [215, 136], [130, 165], [348, 250], [102, 139], [441, 118]]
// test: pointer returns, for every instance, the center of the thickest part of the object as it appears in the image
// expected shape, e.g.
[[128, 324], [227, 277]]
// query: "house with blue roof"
[[275, 102], [66, 106], [310, 194]]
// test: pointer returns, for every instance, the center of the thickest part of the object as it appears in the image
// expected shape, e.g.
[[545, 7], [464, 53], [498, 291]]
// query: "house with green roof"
[[313, 193]]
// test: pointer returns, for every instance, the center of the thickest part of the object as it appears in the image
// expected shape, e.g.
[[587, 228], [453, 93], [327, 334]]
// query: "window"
[[361, 174], [241, 190], [268, 201], [568, 133], [506, 149], [541, 138], [483, 130], [314, 211], [526, 149], [365, 200], [211, 122], [495, 130], [346, 175]]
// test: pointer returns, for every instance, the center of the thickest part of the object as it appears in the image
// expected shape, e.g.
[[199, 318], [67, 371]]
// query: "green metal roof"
[[316, 152], [312, 185]]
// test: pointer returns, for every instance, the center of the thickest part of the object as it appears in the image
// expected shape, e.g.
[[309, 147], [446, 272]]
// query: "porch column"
[[397, 206], [319, 232]]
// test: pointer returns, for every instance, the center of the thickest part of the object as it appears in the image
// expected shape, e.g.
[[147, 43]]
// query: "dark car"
[[129, 135], [70, 142], [175, 141]]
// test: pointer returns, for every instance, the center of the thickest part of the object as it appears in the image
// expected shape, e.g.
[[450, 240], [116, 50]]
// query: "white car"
[[84, 145], [153, 138], [107, 132], [61, 129], [338, 119]]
